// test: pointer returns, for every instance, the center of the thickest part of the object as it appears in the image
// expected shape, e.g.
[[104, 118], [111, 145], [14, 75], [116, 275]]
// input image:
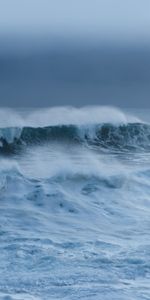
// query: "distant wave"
[[124, 137]]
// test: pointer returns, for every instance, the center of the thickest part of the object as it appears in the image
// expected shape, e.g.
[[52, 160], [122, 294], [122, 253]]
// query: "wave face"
[[131, 136], [74, 201]]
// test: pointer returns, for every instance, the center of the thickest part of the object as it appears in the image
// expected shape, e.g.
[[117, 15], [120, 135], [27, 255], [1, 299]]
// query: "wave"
[[65, 205], [107, 136]]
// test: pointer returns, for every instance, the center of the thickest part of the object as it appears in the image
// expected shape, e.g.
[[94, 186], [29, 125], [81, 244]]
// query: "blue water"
[[74, 204]]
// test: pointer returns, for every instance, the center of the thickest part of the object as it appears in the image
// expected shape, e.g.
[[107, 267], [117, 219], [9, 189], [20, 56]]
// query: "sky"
[[74, 52], [85, 19]]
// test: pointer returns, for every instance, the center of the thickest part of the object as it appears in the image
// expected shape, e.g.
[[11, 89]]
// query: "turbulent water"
[[74, 204]]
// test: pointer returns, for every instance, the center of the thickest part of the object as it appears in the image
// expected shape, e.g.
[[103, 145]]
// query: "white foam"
[[65, 116], [78, 116], [10, 118], [10, 133]]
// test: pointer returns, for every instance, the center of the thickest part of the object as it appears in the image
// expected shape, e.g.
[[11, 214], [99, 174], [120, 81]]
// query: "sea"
[[74, 203]]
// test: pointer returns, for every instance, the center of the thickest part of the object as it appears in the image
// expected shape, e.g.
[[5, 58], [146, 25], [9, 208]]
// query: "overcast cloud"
[[84, 73], [123, 19]]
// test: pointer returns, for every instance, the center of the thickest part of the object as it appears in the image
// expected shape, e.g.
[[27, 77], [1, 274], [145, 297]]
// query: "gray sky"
[[102, 74], [100, 19]]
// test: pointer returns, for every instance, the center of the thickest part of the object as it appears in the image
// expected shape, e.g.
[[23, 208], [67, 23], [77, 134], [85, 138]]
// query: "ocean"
[[74, 204]]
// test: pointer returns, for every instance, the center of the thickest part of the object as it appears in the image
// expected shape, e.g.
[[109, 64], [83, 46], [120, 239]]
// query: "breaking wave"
[[124, 137], [74, 204]]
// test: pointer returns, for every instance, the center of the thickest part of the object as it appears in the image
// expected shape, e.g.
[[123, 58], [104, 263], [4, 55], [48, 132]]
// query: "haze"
[[74, 52], [99, 19]]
